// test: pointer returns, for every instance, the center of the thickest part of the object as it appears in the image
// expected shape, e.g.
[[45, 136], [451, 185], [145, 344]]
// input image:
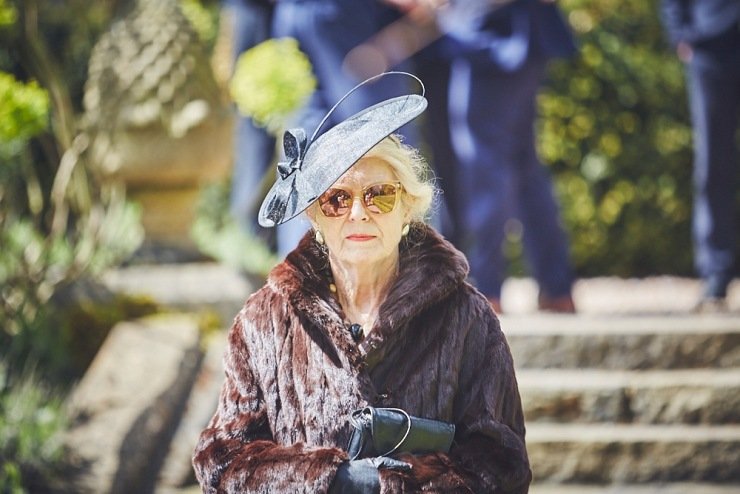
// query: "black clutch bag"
[[384, 431]]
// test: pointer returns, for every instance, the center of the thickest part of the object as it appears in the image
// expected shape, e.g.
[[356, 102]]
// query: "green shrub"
[[34, 266], [49, 238], [204, 19], [24, 109], [271, 80], [32, 456], [615, 130], [8, 13], [53, 232]]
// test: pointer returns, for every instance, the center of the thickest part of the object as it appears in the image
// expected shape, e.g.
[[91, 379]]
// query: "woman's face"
[[362, 236]]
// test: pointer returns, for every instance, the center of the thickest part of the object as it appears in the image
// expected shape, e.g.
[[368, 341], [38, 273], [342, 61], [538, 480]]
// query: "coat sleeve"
[[489, 453], [237, 452], [677, 22]]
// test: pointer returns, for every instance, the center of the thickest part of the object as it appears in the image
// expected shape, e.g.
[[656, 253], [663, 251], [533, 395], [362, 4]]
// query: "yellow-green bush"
[[31, 425], [271, 80], [24, 109], [614, 129]]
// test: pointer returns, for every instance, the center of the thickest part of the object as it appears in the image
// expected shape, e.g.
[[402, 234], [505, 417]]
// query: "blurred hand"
[[684, 51], [406, 5], [362, 477], [419, 11]]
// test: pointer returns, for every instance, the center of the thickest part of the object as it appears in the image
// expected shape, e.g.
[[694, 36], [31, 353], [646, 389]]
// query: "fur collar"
[[430, 268]]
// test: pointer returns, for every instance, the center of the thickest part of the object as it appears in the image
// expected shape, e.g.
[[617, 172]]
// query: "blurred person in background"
[[706, 37], [484, 73]]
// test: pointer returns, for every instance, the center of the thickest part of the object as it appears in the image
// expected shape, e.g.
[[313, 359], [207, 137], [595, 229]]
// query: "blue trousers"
[[714, 96], [498, 176]]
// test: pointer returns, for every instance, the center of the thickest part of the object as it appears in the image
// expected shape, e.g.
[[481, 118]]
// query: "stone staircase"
[[632, 395], [630, 403]]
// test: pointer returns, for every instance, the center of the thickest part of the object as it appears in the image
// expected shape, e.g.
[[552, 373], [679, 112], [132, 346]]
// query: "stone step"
[[670, 488], [689, 396], [668, 341], [614, 295], [177, 470], [630, 338], [618, 453], [188, 286], [124, 411]]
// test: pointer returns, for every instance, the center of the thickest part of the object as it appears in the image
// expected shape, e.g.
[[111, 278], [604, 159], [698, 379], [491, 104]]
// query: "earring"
[[318, 237], [405, 230]]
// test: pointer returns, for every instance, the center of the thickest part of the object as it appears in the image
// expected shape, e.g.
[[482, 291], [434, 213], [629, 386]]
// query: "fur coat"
[[294, 374]]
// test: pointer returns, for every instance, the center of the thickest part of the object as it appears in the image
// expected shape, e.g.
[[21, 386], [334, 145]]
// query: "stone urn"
[[158, 120]]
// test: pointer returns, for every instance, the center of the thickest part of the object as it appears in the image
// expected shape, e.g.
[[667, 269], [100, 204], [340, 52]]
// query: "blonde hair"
[[412, 171]]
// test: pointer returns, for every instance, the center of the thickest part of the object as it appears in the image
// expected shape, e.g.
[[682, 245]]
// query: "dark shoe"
[[715, 287], [563, 304], [710, 305], [495, 305], [714, 295]]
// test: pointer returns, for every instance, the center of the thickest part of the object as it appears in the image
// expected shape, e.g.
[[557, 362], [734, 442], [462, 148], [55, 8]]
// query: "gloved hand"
[[362, 477]]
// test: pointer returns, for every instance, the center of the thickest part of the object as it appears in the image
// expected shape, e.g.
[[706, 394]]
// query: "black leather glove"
[[361, 476]]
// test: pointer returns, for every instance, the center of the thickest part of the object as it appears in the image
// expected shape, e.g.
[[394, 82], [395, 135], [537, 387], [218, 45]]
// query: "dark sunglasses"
[[377, 198]]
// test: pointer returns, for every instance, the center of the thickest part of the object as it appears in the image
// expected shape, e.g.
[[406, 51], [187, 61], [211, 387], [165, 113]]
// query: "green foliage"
[[31, 425], [8, 13], [57, 224], [34, 266], [24, 109], [24, 113], [203, 19], [37, 327], [271, 80], [70, 28], [614, 128], [217, 234]]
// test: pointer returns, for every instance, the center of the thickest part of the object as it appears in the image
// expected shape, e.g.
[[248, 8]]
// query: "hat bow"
[[294, 144]]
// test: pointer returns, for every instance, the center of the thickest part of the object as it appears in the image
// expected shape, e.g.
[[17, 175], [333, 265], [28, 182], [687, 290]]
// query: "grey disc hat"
[[312, 166]]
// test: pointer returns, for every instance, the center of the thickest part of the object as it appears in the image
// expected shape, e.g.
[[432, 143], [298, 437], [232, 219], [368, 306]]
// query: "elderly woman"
[[371, 309]]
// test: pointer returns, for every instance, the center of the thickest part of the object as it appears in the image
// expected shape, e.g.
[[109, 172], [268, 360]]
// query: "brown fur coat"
[[294, 374]]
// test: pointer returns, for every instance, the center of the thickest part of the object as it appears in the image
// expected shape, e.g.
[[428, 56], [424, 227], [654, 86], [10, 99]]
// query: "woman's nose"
[[357, 211]]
